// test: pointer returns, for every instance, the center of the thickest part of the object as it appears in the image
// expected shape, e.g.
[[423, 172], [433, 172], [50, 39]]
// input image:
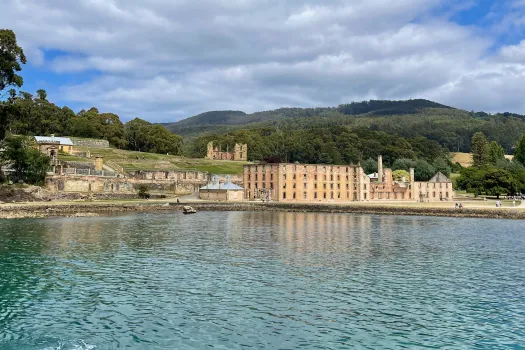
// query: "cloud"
[[168, 59]]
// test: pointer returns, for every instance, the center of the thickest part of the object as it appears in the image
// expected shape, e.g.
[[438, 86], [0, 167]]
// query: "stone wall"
[[91, 143], [115, 185]]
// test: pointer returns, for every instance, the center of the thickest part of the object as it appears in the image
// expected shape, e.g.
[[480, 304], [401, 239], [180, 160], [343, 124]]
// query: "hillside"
[[132, 161], [223, 121], [450, 127]]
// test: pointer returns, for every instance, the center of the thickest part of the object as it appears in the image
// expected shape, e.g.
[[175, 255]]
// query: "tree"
[[28, 163], [519, 154], [498, 181], [479, 150], [423, 171], [369, 166], [399, 175], [496, 152], [403, 164], [11, 58], [442, 165]]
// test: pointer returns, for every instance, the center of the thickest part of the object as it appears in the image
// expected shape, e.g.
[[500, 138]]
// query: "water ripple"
[[261, 281]]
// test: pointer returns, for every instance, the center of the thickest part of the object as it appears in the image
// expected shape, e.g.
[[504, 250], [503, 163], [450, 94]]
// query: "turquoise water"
[[262, 281]]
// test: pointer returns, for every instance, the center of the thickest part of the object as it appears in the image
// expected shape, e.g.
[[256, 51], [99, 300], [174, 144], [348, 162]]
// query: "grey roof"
[[439, 177], [219, 186], [64, 141]]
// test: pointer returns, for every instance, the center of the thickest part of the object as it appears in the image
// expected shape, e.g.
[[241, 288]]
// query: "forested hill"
[[450, 127], [226, 120]]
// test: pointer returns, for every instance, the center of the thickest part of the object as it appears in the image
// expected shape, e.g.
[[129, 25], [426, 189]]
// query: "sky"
[[166, 60]]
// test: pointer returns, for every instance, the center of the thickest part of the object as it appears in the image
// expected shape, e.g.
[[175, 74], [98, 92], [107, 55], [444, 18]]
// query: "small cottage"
[[221, 192]]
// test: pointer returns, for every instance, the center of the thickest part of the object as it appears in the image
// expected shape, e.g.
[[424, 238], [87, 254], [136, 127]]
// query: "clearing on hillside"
[[465, 159]]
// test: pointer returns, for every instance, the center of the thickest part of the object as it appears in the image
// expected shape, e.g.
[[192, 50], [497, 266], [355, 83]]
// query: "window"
[[315, 177], [331, 177], [284, 186], [256, 186], [324, 177], [284, 195], [324, 195], [249, 178], [256, 177], [284, 177], [347, 170], [355, 196], [271, 177], [338, 195], [331, 186], [264, 185], [305, 185], [304, 195], [331, 195], [294, 176], [338, 178], [324, 186], [304, 177], [294, 195], [315, 186], [315, 195], [365, 188], [271, 185], [365, 196], [338, 186], [294, 186]]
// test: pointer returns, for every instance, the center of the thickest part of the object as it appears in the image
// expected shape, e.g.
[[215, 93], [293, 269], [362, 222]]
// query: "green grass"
[[70, 158], [152, 161]]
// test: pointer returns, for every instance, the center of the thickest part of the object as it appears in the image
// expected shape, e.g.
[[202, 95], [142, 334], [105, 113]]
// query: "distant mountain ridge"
[[219, 121]]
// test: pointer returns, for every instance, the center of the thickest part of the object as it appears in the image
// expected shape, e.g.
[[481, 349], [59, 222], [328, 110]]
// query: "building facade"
[[240, 153], [305, 183], [338, 183], [221, 192]]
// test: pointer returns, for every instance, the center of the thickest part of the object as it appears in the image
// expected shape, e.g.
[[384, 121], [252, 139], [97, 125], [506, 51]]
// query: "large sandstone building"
[[240, 153], [338, 183]]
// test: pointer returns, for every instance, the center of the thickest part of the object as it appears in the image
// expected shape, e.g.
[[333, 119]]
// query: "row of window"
[[332, 195], [317, 168], [440, 185]]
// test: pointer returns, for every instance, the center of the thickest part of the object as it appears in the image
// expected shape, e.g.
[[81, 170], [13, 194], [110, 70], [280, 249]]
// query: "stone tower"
[[209, 154], [237, 152], [244, 152]]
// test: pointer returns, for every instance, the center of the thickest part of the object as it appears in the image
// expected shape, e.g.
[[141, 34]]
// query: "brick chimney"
[[380, 168]]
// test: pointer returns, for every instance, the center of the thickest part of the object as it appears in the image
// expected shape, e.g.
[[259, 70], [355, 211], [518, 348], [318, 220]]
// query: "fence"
[[90, 172]]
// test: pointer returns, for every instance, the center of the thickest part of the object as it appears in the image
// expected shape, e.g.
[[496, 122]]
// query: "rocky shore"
[[79, 209]]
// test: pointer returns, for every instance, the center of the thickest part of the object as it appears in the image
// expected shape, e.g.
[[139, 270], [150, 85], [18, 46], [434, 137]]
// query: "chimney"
[[412, 179], [380, 168]]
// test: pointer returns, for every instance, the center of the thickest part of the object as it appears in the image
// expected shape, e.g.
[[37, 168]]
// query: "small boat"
[[188, 210]]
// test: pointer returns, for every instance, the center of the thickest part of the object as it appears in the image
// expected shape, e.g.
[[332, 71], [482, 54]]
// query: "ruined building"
[[338, 183], [240, 153], [305, 183]]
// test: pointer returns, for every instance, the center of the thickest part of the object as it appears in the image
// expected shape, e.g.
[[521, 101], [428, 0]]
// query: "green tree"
[[398, 175], [369, 166], [423, 171], [403, 164], [11, 58], [519, 154], [498, 181], [479, 150], [28, 164], [442, 165], [496, 152]]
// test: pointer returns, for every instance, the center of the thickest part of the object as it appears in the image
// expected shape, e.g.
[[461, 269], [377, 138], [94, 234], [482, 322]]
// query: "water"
[[262, 281]]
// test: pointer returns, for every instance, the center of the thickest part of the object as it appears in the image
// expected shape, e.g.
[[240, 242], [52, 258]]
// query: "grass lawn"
[[133, 161]]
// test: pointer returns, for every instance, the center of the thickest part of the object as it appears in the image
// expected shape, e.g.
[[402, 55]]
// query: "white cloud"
[[168, 59]]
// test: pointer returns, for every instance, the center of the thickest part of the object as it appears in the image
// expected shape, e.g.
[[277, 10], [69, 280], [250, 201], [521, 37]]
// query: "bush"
[[143, 192]]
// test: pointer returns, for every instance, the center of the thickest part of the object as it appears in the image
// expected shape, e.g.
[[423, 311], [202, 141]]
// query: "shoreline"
[[87, 209]]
